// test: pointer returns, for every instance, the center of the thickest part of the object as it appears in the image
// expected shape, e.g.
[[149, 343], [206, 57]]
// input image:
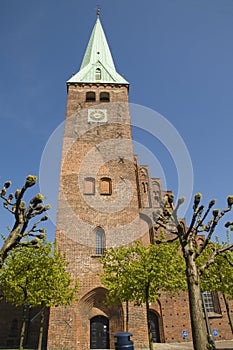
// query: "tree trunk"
[[23, 328], [148, 320], [228, 312], [42, 318], [195, 304], [148, 326], [127, 316]]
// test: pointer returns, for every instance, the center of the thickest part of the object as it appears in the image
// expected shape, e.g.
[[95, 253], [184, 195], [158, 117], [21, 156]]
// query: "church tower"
[[98, 205]]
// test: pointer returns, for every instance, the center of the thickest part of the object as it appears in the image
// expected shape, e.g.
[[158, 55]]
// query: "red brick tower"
[[98, 199]]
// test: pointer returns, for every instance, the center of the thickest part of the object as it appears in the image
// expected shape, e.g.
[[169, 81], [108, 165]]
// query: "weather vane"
[[98, 11]]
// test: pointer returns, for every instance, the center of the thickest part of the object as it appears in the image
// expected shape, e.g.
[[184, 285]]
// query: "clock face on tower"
[[97, 115]]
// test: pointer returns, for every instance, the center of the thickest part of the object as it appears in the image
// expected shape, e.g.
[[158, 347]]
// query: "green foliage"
[[36, 277], [140, 273], [218, 276], [116, 276], [30, 181]]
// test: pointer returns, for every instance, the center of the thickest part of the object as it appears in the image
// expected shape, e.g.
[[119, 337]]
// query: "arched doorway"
[[99, 333], [154, 324]]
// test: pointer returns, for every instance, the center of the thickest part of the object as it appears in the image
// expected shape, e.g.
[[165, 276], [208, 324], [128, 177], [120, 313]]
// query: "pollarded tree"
[[36, 277], [27, 217], [191, 250], [141, 273]]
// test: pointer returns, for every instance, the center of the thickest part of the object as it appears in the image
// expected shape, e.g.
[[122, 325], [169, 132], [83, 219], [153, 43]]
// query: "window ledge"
[[214, 315]]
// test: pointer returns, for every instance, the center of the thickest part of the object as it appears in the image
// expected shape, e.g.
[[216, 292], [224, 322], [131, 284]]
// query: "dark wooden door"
[[154, 324], [99, 333]]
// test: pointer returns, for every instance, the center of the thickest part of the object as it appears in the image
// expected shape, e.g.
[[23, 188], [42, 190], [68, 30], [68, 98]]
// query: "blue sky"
[[176, 54]]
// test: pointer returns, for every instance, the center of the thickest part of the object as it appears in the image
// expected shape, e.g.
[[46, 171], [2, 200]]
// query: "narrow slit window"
[[105, 186], [104, 97], [145, 187]]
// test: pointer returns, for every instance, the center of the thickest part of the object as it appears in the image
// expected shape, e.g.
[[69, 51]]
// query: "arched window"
[[89, 185], [90, 96], [100, 241], [105, 186], [104, 97], [98, 74]]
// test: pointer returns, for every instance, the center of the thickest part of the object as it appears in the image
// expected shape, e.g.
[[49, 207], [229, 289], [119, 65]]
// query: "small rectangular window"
[[211, 301], [90, 96], [89, 185], [105, 186], [104, 97]]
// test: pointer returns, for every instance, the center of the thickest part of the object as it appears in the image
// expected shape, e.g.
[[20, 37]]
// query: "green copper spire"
[[97, 65]]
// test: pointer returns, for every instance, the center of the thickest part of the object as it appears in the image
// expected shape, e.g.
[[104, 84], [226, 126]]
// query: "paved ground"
[[220, 345], [223, 345]]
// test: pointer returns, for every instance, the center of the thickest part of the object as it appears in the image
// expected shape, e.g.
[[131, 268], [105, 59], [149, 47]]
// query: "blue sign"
[[215, 332], [185, 334]]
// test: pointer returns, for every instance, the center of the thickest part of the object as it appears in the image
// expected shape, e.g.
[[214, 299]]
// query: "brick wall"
[[11, 322]]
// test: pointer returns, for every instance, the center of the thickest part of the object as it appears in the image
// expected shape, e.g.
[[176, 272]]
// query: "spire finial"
[[98, 11]]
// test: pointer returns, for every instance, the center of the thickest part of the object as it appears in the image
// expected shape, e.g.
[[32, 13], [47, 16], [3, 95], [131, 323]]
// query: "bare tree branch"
[[22, 216], [213, 256]]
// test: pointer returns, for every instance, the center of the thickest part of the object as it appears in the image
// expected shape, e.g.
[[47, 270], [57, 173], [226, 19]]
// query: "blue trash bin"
[[123, 341]]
